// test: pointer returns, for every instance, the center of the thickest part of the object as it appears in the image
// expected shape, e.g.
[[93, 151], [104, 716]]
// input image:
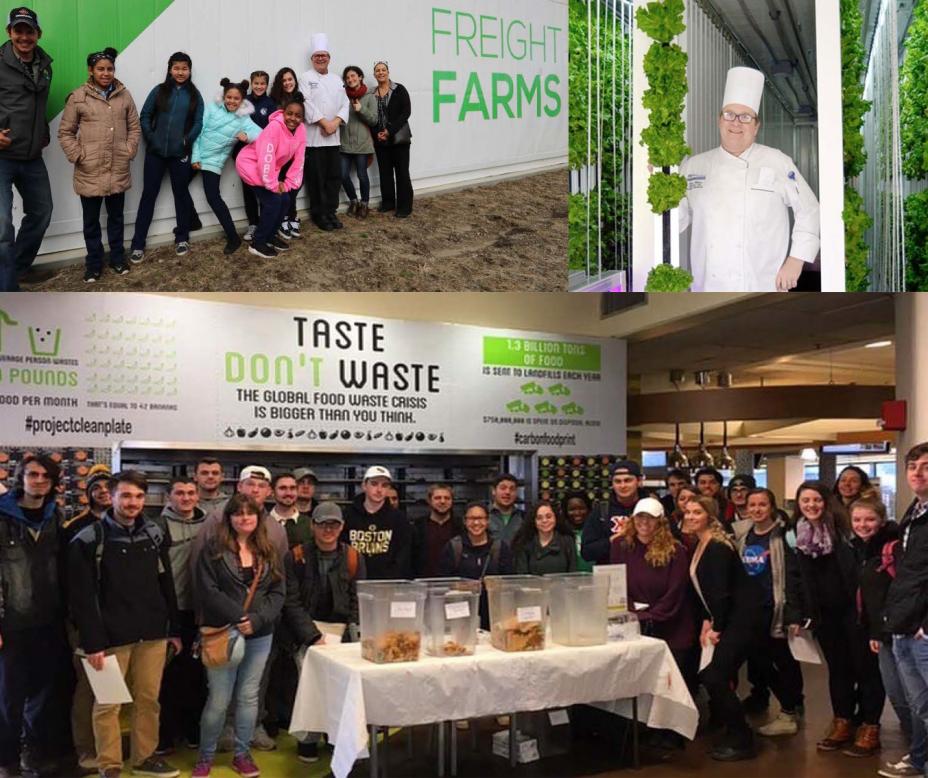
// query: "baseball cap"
[[627, 466], [377, 471], [650, 506], [327, 511], [304, 472], [255, 471], [22, 15]]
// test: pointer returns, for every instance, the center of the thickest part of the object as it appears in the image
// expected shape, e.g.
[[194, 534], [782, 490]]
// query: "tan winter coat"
[[100, 138]]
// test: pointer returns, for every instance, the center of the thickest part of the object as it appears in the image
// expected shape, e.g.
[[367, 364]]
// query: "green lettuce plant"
[[913, 110]]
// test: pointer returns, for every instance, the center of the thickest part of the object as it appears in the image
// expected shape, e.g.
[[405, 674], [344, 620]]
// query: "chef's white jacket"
[[738, 209], [325, 99]]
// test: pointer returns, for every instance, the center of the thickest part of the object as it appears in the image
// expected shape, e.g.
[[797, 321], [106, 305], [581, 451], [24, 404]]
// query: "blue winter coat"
[[164, 133], [214, 144]]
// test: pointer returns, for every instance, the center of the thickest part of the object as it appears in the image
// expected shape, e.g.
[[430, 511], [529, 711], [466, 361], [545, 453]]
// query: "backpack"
[[457, 548], [98, 545]]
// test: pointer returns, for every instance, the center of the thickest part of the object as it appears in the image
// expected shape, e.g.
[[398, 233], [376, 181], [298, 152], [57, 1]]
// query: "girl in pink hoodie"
[[259, 164]]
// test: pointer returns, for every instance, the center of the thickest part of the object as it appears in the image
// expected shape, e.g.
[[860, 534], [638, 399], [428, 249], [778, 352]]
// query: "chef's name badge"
[[695, 181]]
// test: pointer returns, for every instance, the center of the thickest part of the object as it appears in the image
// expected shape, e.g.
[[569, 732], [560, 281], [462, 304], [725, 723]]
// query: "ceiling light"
[[809, 455], [879, 344]]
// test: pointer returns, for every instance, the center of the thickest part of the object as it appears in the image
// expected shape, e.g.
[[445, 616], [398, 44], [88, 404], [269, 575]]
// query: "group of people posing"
[[316, 128], [720, 574]]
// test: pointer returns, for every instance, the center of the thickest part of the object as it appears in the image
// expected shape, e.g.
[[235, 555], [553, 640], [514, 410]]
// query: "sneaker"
[[336, 223], [403, 214], [324, 225], [164, 748], [261, 740], [307, 752], [201, 768], [120, 269], [284, 231], [226, 740], [136, 256], [182, 248], [295, 229], [232, 245], [278, 244], [155, 766], [784, 724], [901, 768], [265, 252], [245, 766], [91, 276], [250, 233]]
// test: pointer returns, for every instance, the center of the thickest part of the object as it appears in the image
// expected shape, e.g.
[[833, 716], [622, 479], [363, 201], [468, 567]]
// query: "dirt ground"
[[510, 236]]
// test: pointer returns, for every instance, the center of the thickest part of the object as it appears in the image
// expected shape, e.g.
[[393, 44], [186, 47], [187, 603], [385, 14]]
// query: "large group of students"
[[316, 129], [706, 565]]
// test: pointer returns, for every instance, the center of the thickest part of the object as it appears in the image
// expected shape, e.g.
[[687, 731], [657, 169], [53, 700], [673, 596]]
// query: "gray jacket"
[[182, 533], [23, 103], [356, 136]]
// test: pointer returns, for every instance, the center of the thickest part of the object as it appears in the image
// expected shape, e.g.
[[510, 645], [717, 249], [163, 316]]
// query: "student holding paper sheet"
[[123, 603], [322, 577], [770, 561], [822, 598], [732, 621]]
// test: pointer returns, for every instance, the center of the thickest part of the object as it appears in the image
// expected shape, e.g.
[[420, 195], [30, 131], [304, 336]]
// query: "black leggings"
[[853, 670], [214, 198], [737, 641], [777, 670]]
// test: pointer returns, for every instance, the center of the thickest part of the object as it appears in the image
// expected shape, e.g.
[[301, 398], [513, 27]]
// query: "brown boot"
[[839, 735], [363, 211], [353, 208], [867, 741]]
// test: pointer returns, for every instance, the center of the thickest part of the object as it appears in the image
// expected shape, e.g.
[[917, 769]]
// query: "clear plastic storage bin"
[[579, 611], [392, 614], [518, 611], [452, 616]]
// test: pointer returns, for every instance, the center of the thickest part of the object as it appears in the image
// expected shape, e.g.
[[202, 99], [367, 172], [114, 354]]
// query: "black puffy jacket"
[[906, 608]]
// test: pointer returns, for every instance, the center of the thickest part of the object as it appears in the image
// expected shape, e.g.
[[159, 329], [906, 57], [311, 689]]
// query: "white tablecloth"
[[341, 694]]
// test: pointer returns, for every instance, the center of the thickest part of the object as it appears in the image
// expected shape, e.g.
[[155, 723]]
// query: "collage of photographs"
[[464, 388]]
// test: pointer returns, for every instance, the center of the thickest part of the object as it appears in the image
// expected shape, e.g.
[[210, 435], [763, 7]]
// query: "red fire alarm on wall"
[[892, 415]]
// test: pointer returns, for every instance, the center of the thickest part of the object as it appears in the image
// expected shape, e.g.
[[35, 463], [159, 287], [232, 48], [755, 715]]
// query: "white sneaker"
[[294, 228], [783, 724], [136, 256], [182, 249], [250, 233], [901, 768]]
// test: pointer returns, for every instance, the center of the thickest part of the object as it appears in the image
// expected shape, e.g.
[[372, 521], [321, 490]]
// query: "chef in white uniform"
[[327, 108], [737, 201]]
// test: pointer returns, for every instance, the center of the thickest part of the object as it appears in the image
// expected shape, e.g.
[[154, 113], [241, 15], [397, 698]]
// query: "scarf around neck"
[[358, 93], [813, 540]]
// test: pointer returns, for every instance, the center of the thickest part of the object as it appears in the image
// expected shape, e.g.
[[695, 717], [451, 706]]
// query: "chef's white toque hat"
[[320, 43], [744, 86]]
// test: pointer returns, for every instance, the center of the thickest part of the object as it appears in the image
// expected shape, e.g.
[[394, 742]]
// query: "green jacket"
[[559, 556], [356, 136]]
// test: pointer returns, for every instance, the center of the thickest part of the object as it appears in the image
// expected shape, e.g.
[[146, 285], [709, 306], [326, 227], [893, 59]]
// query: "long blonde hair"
[[711, 507], [663, 545]]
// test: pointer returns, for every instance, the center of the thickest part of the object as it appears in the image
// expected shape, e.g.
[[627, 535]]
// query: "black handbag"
[[402, 137]]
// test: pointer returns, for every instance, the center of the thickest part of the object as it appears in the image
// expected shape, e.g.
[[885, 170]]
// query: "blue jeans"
[[155, 168], [274, 208], [911, 666], [18, 252], [239, 678], [93, 235], [358, 162]]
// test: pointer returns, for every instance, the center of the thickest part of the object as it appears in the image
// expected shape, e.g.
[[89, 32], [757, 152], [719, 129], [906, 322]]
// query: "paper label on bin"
[[532, 613], [403, 610], [558, 717], [457, 610]]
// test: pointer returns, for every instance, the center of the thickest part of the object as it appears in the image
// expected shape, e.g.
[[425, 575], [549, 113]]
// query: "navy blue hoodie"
[[164, 132]]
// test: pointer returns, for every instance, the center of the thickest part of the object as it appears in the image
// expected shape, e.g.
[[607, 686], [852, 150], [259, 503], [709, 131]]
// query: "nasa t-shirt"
[[756, 560]]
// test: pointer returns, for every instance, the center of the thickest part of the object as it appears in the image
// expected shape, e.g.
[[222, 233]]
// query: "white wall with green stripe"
[[487, 78]]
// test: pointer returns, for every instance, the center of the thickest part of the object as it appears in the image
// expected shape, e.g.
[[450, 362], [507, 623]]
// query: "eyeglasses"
[[329, 526], [744, 118], [320, 56]]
